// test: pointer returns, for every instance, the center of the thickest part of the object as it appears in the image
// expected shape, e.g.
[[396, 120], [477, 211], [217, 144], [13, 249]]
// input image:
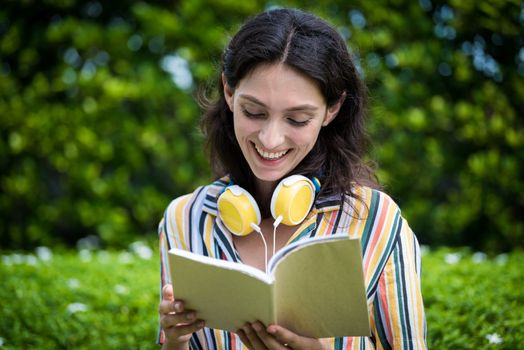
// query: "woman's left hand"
[[258, 337]]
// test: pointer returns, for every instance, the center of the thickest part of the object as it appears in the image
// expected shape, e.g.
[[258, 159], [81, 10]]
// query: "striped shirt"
[[390, 251]]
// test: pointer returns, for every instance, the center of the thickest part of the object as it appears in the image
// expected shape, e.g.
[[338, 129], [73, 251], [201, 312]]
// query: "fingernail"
[[256, 326], [178, 306], [246, 329], [190, 316], [271, 330]]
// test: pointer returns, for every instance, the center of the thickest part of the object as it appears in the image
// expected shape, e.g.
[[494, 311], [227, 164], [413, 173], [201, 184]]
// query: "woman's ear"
[[228, 93], [332, 111]]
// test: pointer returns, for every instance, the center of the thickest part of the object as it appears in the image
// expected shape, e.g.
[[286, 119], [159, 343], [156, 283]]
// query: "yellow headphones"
[[290, 203]]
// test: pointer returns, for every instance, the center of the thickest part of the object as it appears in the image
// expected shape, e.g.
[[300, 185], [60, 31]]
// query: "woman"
[[292, 102]]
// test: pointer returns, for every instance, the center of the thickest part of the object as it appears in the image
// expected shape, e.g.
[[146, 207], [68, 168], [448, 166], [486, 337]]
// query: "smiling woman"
[[290, 120]]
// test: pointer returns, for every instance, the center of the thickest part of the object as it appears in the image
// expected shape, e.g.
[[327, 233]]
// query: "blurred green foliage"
[[99, 119], [55, 299]]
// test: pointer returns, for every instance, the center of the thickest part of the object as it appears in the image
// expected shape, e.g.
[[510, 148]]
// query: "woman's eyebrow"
[[303, 107]]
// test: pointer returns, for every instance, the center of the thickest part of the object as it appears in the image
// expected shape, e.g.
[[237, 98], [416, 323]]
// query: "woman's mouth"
[[270, 155]]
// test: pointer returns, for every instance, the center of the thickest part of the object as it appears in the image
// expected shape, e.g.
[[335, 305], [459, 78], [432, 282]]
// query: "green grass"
[[109, 299]]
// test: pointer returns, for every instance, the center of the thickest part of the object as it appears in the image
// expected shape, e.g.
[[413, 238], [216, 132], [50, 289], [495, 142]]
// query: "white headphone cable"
[[275, 224], [257, 229]]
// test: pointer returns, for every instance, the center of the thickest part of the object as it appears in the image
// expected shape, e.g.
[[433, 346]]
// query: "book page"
[[280, 254], [224, 294], [320, 291]]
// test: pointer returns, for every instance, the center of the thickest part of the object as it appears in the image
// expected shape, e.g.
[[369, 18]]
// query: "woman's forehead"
[[279, 84]]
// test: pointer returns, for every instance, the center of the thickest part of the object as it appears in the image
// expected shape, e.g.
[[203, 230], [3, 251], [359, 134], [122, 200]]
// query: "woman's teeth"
[[270, 156]]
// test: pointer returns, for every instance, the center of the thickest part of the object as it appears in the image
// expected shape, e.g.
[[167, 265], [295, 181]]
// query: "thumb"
[[167, 292], [285, 336]]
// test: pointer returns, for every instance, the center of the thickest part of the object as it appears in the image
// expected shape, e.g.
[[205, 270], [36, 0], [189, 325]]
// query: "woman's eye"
[[251, 114], [295, 122]]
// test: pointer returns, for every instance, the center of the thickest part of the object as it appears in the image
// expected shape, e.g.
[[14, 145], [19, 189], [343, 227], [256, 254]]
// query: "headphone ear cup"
[[238, 210], [292, 199]]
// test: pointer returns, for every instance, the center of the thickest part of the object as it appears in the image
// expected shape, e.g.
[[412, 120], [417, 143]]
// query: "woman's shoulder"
[[371, 197], [203, 196]]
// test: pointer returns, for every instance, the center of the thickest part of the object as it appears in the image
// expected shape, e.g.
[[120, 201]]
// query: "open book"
[[314, 287]]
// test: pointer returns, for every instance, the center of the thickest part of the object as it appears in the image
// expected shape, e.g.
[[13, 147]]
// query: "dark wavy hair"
[[312, 47]]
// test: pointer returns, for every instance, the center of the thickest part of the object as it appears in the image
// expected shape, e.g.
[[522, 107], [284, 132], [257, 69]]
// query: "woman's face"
[[277, 114]]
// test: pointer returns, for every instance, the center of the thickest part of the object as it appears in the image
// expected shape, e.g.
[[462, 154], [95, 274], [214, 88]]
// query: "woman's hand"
[[178, 324], [257, 337]]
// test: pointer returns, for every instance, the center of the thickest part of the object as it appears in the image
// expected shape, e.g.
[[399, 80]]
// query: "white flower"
[[85, 255], [452, 258], [31, 260], [494, 338], [142, 250], [90, 242], [103, 256], [502, 259], [121, 289], [44, 253], [478, 257], [73, 283], [76, 307], [125, 258], [6, 260], [17, 259]]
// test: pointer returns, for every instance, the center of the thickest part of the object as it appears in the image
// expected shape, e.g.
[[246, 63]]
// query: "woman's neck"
[[264, 192]]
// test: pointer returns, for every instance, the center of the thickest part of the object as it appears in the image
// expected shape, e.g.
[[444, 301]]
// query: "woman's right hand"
[[177, 323]]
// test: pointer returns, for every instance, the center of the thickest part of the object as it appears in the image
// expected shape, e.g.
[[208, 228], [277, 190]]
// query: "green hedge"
[[97, 299], [84, 300], [471, 299]]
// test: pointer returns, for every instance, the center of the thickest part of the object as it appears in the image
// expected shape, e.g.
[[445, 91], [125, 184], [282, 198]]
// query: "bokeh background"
[[99, 129]]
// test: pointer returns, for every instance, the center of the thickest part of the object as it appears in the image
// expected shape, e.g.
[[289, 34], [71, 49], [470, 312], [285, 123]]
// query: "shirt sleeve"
[[170, 234], [398, 310], [164, 269]]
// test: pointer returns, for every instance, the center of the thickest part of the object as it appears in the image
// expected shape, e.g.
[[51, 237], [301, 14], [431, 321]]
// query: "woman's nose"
[[271, 135]]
